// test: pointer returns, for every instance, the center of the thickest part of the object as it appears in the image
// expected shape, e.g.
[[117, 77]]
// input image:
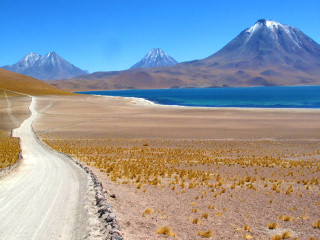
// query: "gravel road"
[[44, 198]]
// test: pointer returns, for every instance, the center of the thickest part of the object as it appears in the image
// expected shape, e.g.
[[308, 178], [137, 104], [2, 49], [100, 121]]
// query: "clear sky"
[[102, 35]]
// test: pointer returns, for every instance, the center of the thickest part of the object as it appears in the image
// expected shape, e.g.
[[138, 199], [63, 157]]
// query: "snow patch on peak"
[[274, 29], [30, 59], [156, 57], [271, 24]]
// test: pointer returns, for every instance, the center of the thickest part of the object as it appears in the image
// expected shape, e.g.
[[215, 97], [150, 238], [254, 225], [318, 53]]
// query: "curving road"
[[44, 197]]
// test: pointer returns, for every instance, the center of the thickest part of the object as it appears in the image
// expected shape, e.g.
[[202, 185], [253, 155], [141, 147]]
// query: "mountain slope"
[[267, 54], [269, 43], [25, 84], [50, 66], [155, 58]]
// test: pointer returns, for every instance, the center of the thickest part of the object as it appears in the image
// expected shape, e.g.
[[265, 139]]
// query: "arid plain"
[[192, 173]]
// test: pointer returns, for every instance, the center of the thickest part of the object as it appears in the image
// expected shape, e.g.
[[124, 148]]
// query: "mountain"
[[25, 84], [266, 54], [155, 58], [50, 66], [268, 43]]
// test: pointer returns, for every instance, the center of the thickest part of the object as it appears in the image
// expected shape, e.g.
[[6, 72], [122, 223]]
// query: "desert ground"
[[193, 173], [45, 197]]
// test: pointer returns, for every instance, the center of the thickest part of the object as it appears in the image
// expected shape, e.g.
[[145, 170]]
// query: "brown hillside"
[[28, 85]]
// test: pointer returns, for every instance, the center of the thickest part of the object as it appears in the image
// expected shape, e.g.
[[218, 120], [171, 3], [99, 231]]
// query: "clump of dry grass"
[[276, 237], [206, 234], [205, 215], [284, 235], [285, 218], [272, 225], [148, 211], [166, 231], [246, 228], [9, 149], [195, 221], [316, 224], [219, 214], [247, 236]]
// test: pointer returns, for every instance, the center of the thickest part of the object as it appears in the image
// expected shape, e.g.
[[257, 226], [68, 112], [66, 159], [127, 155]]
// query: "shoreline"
[[146, 102]]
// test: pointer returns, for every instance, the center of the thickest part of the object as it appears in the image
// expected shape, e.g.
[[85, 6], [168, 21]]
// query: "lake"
[[249, 97]]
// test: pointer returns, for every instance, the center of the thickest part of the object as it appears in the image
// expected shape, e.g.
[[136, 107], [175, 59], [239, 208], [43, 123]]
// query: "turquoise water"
[[261, 97]]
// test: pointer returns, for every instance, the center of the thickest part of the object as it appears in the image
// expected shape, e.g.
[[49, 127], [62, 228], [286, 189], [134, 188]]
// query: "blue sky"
[[113, 35]]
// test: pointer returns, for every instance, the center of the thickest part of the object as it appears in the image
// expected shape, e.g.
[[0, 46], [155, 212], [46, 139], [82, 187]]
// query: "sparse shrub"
[[316, 224], [272, 225], [206, 234], [166, 231], [286, 235], [148, 211], [247, 236], [276, 237], [205, 215], [246, 228], [195, 221], [285, 218]]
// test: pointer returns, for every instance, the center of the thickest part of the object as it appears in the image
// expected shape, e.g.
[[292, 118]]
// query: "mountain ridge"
[[266, 54], [51, 66]]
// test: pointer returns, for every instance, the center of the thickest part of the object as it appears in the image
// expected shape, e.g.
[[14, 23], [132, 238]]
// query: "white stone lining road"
[[45, 197]]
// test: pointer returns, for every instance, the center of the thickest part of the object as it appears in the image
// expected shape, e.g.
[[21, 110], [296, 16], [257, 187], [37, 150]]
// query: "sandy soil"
[[230, 134], [121, 118], [13, 109]]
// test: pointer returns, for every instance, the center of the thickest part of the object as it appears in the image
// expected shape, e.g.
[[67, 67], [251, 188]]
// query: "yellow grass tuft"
[[246, 228], [276, 237], [285, 218], [195, 221], [148, 211], [286, 235], [206, 234], [9, 149], [316, 224], [272, 225], [219, 214], [247, 236], [166, 231], [205, 215]]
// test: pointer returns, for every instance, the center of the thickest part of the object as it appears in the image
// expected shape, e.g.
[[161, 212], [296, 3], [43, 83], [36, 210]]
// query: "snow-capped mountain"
[[266, 54], [269, 42], [155, 58], [51, 66]]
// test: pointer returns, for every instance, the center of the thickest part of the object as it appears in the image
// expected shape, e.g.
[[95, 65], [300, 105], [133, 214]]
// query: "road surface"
[[44, 197]]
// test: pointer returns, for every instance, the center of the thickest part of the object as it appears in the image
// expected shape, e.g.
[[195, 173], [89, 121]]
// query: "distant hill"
[[155, 58], [50, 66], [266, 54], [25, 84]]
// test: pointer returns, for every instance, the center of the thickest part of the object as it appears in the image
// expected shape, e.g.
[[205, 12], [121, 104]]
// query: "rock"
[[110, 218]]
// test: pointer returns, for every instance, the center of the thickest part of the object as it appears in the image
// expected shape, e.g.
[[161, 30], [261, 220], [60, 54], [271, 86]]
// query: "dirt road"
[[44, 198]]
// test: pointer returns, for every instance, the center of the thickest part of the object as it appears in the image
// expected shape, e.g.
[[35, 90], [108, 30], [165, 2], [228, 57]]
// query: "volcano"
[[266, 54], [50, 66]]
